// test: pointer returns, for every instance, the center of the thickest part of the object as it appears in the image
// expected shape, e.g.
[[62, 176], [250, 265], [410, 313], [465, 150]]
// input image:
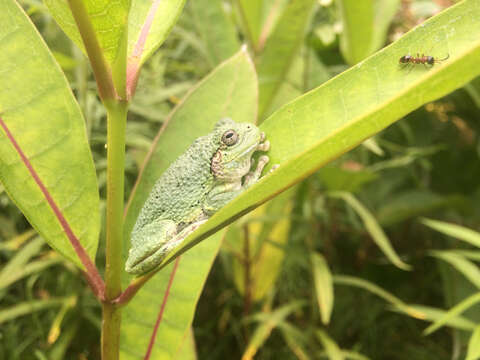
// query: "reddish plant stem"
[[132, 289]]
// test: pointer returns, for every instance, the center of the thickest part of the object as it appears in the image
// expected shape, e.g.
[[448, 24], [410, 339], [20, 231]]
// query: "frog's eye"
[[230, 137]]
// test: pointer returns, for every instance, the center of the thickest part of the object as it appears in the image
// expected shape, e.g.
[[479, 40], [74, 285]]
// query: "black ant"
[[430, 60]]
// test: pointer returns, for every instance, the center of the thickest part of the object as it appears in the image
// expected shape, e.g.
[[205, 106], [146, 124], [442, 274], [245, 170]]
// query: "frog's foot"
[[253, 176], [263, 146]]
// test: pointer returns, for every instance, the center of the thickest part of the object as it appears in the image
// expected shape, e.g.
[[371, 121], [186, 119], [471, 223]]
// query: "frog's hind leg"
[[178, 239], [146, 242], [154, 242]]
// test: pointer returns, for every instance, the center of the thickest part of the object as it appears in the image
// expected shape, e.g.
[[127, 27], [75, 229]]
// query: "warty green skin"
[[201, 181]]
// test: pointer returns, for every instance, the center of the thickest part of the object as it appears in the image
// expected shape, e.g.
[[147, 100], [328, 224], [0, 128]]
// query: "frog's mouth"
[[250, 149], [245, 152]]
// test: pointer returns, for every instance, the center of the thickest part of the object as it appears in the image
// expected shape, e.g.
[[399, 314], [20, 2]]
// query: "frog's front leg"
[[253, 176], [220, 195]]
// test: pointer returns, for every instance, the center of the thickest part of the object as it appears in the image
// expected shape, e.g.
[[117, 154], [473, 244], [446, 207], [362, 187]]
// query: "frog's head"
[[234, 143]]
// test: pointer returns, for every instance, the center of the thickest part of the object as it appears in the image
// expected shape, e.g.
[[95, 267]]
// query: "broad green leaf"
[[322, 278], [109, 22], [281, 48], [217, 30], [251, 12], [453, 313], [187, 349], [365, 26], [230, 90], [433, 314], [373, 228], [466, 267], [340, 114], [268, 322], [44, 120], [149, 23], [473, 352], [331, 348], [375, 289], [455, 231]]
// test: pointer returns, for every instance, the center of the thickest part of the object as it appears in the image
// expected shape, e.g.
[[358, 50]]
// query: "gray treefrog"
[[201, 181]]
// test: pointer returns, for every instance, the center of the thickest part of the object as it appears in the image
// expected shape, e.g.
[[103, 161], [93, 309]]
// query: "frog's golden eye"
[[230, 137]]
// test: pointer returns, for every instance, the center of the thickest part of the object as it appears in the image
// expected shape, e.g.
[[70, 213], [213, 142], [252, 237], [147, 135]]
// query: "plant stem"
[[95, 54], [116, 120]]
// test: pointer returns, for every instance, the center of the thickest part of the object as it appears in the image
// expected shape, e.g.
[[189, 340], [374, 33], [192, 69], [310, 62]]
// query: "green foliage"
[[44, 120], [304, 276]]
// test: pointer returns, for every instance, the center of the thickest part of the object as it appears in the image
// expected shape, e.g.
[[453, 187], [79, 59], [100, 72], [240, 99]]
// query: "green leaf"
[[281, 48], [251, 11], [375, 289], [413, 203], [365, 26], [230, 90], [109, 22], [187, 350], [453, 312], [332, 350], [469, 254], [217, 30], [357, 19], [296, 340], [268, 230], [29, 307], [337, 178], [432, 314], [373, 228], [384, 13], [44, 124], [455, 231], [268, 322], [473, 352], [22, 257], [323, 286], [466, 267], [149, 23], [340, 114]]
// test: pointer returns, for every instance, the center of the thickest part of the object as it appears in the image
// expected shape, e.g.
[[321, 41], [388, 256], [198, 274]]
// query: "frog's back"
[[179, 193]]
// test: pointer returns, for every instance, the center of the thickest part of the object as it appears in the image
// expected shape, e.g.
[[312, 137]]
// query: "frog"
[[215, 169]]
